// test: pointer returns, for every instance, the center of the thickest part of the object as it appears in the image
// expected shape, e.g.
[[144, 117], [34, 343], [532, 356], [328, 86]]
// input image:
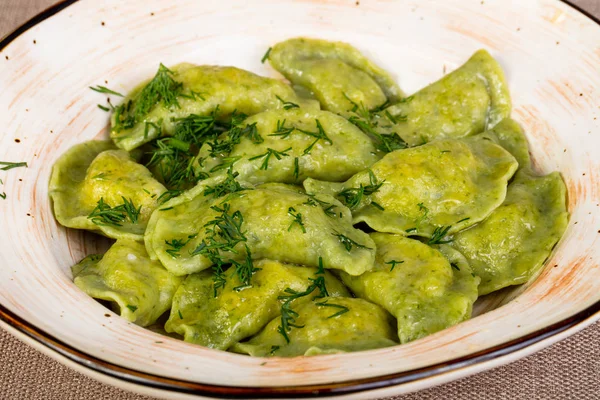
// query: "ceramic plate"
[[551, 54]]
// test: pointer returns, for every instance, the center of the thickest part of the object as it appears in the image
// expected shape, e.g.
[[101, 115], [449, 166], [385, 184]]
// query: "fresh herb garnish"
[[3, 195], [288, 315], [411, 230], [177, 244], [244, 271], [318, 135], [393, 263], [453, 265], [296, 168], [274, 349], [348, 243], [287, 104], [343, 309], [105, 215], [297, 219], [229, 185], [222, 235], [104, 89], [266, 56], [377, 206], [10, 165], [438, 235], [100, 106], [328, 208], [227, 163], [282, 131], [352, 197], [367, 121], [223, 146], [270, 152], [463, 220], [168, 195], [132, 308], [424, 214], [161, 89], [179, 312]]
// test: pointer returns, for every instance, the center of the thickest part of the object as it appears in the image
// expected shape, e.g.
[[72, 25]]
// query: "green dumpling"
[[292, 145], [465, 102], [511, 245], [329, 325], [153, 108], [431, 190], [336, 73], [141, 289], [97, 188], [271, 221], [219, 317], [427, 289], [511, 137]]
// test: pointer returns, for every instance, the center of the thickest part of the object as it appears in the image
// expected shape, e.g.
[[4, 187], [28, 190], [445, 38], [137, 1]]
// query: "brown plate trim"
[[322, 390]]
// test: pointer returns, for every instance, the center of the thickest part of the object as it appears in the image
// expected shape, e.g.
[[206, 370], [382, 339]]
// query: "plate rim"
[[499, 352]]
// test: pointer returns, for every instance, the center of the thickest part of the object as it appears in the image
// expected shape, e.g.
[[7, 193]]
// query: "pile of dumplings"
[[329, 214]]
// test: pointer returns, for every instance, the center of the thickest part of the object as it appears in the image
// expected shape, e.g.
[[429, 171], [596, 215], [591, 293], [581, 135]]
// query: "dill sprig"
[[328, 208], [104, 89], [349, 243], [163, 88], [244, 270], [219, 278], [393, 263], [352, 197], [227, 162], [266, 56], [296, 168], [168, 195], [424, 214], [177, 244], [287, 104], [318, 135], [10, 165], [439, 234], [222, 235], [267, 156], [282, 131], [342, 309], [223, 146], [105, 215], [229, 185], [174, 156], [288, 315], [297, 219], [367, 121]]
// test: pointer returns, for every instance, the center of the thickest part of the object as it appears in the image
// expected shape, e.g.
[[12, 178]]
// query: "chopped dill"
[[297, 219], [267, 156], [104, 89], [439, 234], [266, 56], [352, 197], [342, 309], [393, 263], [287, 104], [288, 315], [349, 243]]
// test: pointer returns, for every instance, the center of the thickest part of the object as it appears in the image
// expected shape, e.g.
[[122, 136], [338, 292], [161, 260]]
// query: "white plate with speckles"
[[551, 54]]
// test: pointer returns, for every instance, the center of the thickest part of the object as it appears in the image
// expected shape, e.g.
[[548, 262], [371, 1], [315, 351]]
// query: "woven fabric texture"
[[568, 370]]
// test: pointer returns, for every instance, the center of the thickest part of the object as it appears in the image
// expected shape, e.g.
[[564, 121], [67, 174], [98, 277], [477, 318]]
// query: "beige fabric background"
[[567, 370]]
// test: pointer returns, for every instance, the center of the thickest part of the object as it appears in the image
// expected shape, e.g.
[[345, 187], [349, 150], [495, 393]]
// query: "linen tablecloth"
[[567, 370]]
